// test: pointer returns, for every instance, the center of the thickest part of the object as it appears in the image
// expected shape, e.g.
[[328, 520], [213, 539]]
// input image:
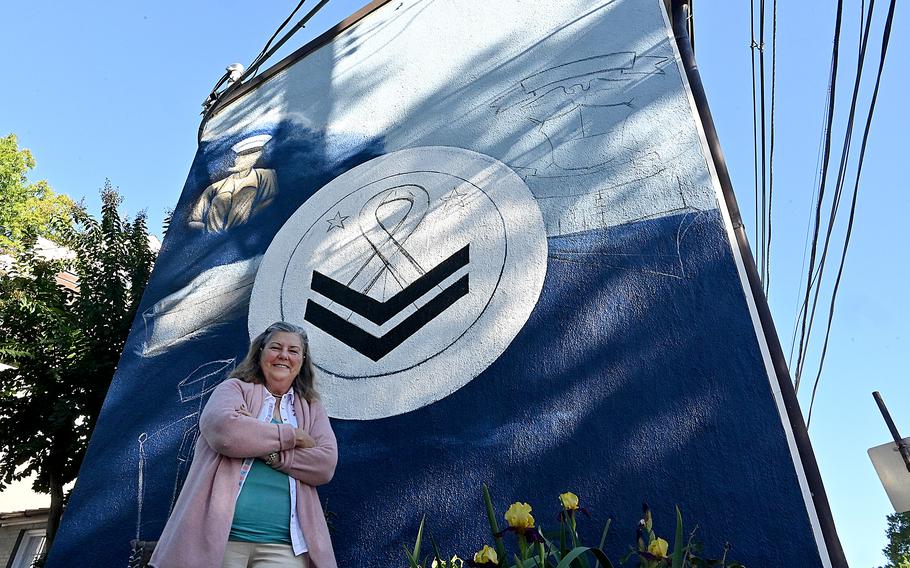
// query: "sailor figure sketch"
[[232, 200]]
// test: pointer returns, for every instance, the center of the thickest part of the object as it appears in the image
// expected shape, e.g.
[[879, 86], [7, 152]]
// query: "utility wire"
[[756, 243], [841, 172], [764, 193], [259, 58], [821, 191], [215, 97], [802, 270], [771, 150], [886, 37], [297, 27]]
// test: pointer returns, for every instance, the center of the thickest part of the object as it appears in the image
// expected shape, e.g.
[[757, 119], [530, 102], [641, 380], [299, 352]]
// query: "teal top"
[[263, 509]]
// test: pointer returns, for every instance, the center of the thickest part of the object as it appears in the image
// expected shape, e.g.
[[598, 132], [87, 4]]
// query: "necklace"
[[275, 395]]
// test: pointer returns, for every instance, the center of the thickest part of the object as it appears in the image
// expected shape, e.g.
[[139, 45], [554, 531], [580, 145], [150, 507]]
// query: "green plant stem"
[[494, 526], [562, 535], [603, 539]]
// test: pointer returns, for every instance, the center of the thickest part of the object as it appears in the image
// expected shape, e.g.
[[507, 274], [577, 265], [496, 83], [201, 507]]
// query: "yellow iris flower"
[[486, 555], [569, 501], [658, 547], [519, 516]]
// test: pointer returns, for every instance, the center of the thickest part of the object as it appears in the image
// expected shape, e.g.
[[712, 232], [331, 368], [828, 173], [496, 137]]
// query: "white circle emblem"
[[412, 273]]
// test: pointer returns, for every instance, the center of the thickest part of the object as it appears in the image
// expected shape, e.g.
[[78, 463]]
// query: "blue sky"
[[113, 90]]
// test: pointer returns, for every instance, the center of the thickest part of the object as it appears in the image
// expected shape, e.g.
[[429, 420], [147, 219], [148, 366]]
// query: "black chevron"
[[378, 347], [381, 312]]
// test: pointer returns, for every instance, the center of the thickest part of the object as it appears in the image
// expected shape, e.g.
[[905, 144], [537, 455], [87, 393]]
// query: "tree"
[[64, 345], [26, 207], [898, 549]]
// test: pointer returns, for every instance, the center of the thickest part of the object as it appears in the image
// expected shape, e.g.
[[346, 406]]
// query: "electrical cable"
[[802, 270], [821, 191], [771, 150], [297, 27], [886, 37], [265, 48], [841, 171], [756, 244], [216, 97], [764, 193]]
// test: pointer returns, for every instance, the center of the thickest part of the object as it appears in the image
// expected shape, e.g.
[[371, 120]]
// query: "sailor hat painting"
[[421, 263], [505, 232], [233, 199]]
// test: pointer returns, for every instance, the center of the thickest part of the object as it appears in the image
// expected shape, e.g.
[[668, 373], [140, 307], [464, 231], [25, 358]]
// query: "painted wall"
[[499, 226]]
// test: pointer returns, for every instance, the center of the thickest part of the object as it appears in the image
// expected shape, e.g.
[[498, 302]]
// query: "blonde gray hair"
[[250, 371]]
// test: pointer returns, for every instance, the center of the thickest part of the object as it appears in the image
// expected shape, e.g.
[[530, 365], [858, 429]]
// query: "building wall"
[[11, 531], [499, 224]]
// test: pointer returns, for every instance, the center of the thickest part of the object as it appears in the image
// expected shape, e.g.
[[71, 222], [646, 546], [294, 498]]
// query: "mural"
[[503, 232], [231, 200], [422, 262]]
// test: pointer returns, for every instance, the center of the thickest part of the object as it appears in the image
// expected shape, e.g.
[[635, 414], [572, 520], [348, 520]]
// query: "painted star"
[[336, 221], [454, 197]]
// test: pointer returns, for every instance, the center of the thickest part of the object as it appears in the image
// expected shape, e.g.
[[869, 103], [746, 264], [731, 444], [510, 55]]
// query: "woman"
[[249, 500]]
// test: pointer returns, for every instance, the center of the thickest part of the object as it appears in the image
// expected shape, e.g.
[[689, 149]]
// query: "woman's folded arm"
[[316, 465], [232, 433]]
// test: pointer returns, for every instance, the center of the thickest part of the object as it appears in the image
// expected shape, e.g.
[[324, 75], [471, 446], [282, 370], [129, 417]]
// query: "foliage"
[[898, 549], [64, 344], [26, 207], [536, 548]]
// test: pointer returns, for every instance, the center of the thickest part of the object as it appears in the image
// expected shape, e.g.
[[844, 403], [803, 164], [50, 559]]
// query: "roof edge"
[[681, 20]]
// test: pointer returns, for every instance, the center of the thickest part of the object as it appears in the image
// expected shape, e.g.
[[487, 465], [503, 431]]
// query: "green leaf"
[[494, 526], [414, 557], [412, 562], [579, 551], [678, 542], [556, 553], [603, 538], [436, 553]]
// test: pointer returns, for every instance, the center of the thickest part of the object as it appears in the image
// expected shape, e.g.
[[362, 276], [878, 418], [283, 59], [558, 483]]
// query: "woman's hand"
[[303, 440]]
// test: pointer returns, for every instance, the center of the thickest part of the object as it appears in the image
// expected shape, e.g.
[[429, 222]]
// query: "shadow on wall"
[[627, 385], [637, 376]]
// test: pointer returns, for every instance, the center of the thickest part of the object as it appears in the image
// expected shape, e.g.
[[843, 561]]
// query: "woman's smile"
[[280, 361]]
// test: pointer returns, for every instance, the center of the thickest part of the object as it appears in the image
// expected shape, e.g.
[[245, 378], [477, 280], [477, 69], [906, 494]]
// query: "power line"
[[886, 37], [841, 174], [764, 193], [821, 191], [215, 97], [761, 82], [802, 269], [771, 150], [756, 243]]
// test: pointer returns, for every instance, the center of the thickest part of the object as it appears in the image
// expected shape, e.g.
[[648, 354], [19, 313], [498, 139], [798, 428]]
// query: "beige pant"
[[260, 555]]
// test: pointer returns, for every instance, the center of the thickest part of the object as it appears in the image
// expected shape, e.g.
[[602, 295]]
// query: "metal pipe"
[[902, 447], [681, 18]]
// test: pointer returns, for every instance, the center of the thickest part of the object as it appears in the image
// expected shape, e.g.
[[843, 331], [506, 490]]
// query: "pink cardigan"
[[196, 533]]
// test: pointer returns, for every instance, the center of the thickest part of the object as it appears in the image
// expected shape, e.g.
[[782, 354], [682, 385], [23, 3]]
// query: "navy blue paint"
[[649, 358], [637, 377], [100, 518]]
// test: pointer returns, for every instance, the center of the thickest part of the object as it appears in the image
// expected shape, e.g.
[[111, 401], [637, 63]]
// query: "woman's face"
[[280, 361]]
